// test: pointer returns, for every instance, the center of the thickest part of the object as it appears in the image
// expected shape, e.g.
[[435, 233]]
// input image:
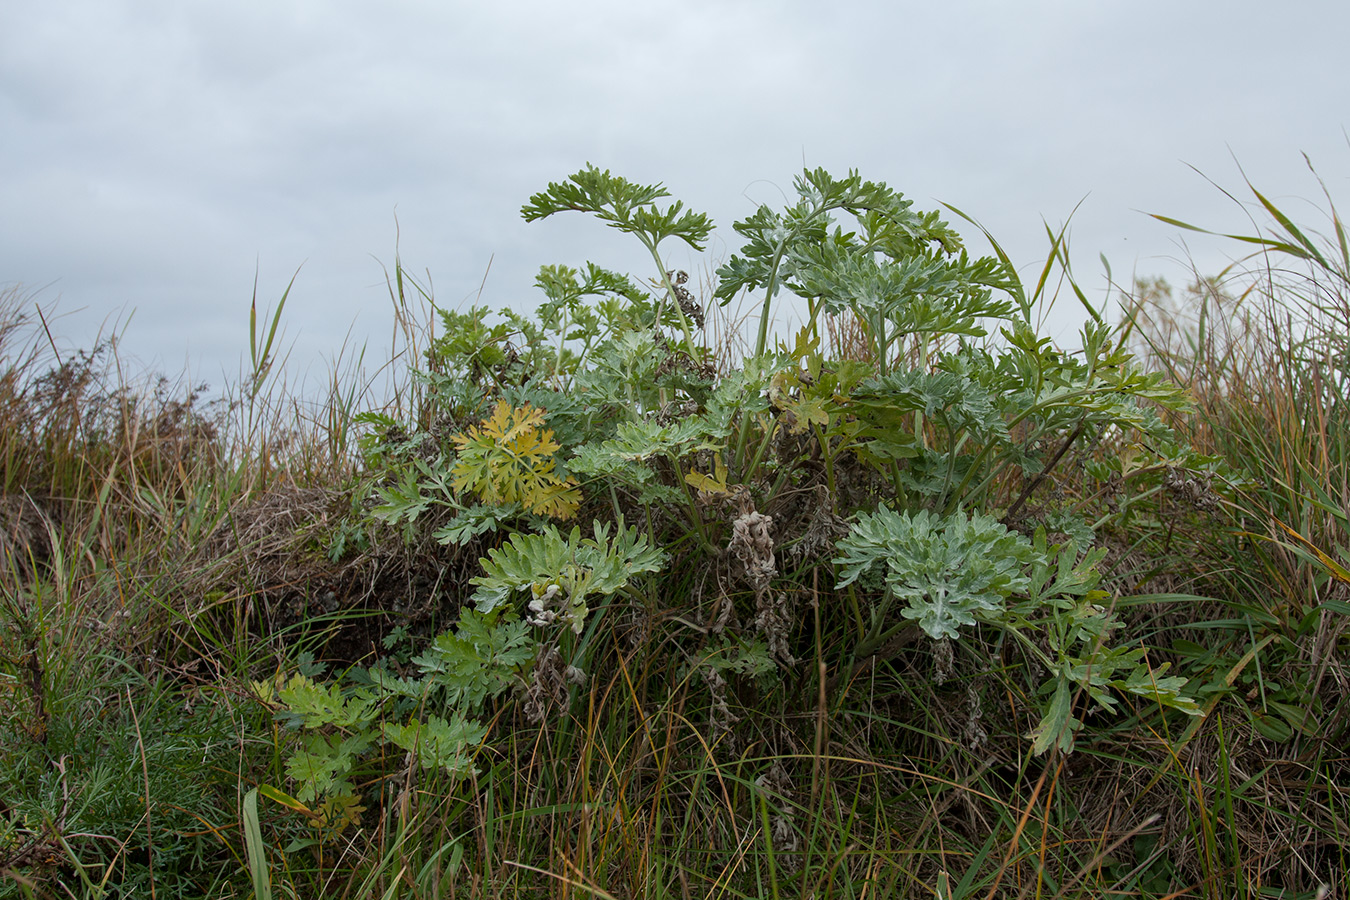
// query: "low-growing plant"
[[960, 572], [432, 711]]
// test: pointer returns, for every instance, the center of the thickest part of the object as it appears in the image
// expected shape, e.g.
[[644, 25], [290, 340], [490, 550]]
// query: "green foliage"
[[627, 206], [344, 722], [323, 764], [470, 351], [632, 209], [964, 570], [923, 281], [741, 657], [620, 308], [412, 490], [1062, 600], [953, 401], [476, 662], [946, 570], [562, 574], [316, 706], [475, 521], [948, 429], [438, 743], [507, 463]]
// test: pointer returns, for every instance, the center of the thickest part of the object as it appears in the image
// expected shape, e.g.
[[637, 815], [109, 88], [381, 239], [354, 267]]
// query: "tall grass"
[[1264, 347]]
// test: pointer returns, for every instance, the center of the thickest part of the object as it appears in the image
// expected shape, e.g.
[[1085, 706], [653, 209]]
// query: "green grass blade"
[[1018, 292], [1292, 229], [253, 845], [1268, 243]]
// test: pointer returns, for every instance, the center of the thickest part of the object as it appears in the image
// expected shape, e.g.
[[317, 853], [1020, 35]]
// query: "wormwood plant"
[[950, 425], [432, 711], [961, 571], [929, 449]]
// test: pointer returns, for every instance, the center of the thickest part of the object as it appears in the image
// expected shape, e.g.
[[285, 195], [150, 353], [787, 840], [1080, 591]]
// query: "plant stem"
[[670, 293]]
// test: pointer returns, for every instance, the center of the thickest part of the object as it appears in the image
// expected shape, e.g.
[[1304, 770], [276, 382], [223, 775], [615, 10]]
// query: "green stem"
[[952, 455], [692, 505], [828, 458], [1030, 646], [1045, 472], [856, 605], [742, 439], [670, 293], [879, 342], [896, 481], [918, 413], [771, 286], [763, 448], [1063, 400], [1135, 499], [877, 636], [762, 342]]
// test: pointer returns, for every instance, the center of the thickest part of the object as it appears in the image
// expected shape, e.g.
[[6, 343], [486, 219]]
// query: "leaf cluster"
[[949, 571], [430, 714], [572, 568], [950, 426], [625, 205], [509, 459]]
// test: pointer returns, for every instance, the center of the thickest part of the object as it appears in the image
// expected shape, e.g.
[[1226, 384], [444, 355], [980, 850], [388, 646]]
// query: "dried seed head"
[[976, 736], [774, 618], [720, 717], [688, 305], [547, 687], [1192, 489], [752, 543], [943, 661], [724, 609], [823, 530], [782, 829]]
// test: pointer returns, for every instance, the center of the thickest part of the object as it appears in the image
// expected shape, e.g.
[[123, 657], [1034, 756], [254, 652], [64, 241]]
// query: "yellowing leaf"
[[714, 485], [806, 412], [509, 459]]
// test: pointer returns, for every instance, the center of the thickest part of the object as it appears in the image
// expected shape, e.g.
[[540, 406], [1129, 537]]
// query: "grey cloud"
[[155, 153]]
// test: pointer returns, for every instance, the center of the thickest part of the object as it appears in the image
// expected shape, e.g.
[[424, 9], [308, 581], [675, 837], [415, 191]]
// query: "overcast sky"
[[154, 155]]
